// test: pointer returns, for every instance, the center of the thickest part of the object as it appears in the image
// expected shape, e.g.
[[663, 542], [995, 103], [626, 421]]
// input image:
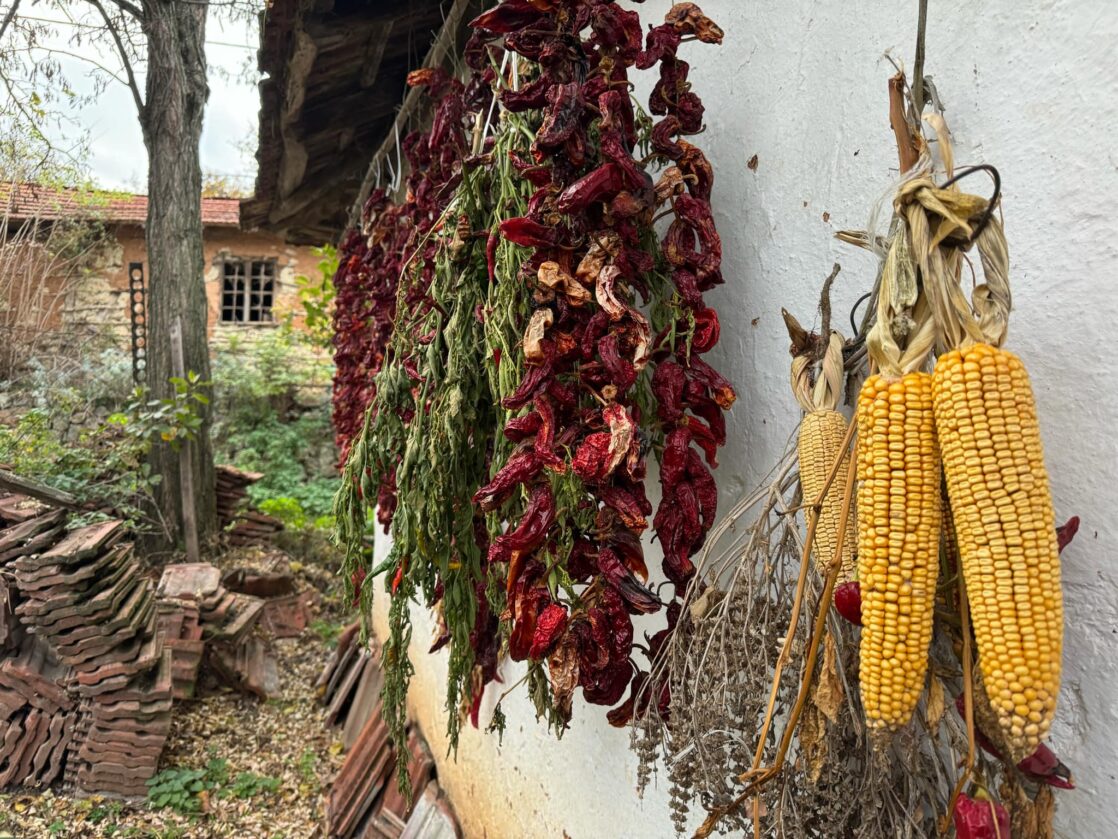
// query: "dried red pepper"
[[980, 818]]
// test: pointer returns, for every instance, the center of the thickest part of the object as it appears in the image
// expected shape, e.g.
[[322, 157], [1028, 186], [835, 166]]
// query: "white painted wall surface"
[[1029, 86]]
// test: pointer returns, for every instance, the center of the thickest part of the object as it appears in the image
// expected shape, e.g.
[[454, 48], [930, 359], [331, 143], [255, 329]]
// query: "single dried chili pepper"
[[639, 598], [618, 29], [591, 461], [515, 545], [528, 98], [848, 601], [550, 626], [661, 42], [509, 16], [561, 119], [531, 234], [980, 818], [520, 468], [688, 19], [1066, 532], [622, 372], [707, 330], [1041, 767], [630, 508], [537, 378], [601, 184], [526, 614], [491, 254]]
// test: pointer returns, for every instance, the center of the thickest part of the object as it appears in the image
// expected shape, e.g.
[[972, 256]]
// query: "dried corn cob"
[[987, 423], [818, 386], [898, 542], [822, 434]]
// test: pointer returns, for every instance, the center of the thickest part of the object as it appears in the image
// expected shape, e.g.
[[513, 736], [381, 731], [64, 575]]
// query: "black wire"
[[854, 311], [993, 173]]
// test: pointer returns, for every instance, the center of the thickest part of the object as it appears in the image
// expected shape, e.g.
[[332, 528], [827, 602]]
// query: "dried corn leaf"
[[828, 691], [1029, 818], [936, 704]]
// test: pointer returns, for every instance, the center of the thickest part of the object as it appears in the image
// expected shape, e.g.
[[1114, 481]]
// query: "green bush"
[[103, 462], [85, 430], [272, 410]]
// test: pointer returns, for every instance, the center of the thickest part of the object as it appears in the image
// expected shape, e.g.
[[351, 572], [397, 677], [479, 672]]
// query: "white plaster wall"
[[1029, 86]]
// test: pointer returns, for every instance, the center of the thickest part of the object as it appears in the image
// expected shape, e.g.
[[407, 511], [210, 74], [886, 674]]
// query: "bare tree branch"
[[124, 57], [9, 17], [130, 8]]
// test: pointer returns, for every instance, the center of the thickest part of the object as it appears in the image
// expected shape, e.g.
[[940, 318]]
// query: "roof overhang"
[[336, 72]]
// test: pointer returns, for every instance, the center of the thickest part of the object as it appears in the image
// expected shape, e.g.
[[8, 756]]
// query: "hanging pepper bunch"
[[364, 311], [573, 488], [430, 431], [691, 396]]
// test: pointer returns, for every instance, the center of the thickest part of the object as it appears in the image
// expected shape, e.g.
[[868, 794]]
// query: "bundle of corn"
[[986, 418], [748, 633], [818, 388]]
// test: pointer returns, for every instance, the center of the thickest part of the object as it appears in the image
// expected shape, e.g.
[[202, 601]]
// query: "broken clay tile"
[[432, 817], [190, 580], [85, 542], [361, 779], [260, 583], [16, 509], [287, 617]]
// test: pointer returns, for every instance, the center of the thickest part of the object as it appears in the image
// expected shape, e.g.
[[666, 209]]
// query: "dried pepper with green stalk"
[[434, 419]]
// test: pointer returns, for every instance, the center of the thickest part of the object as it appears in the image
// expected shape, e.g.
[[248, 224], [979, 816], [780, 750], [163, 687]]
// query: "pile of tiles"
[[193, 596], [365, 801], [241, 525], [85, 686], [93, 653]]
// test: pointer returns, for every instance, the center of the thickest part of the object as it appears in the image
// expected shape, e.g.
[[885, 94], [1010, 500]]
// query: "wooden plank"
[[39, 491]]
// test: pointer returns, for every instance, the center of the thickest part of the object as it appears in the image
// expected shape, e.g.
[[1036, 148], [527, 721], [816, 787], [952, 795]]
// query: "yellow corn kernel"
[[822, 434], [899, 511], [998, 489]]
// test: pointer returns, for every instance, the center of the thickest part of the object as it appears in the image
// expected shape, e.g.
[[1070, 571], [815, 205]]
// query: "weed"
[[328, 631], [180, 788], [250, 785], [306, 765]]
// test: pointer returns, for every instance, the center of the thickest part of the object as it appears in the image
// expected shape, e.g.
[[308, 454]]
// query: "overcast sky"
[[118, 159]]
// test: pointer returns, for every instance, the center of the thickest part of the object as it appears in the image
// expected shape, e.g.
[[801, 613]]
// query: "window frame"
[[254, 281]]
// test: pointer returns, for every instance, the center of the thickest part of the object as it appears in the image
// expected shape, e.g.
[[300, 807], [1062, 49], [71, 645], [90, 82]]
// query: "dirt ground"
[[262, 766]]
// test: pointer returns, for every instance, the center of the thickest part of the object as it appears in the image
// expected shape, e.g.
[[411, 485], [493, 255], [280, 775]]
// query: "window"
[[247, 289]]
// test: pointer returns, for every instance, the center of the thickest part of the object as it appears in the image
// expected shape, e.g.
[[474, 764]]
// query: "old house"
[[83, 289]]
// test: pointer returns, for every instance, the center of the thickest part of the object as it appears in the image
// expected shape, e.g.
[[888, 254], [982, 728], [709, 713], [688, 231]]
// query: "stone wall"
[[95, 307]]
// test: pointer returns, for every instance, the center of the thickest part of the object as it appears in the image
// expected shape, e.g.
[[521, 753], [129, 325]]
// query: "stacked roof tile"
[[365, 801]]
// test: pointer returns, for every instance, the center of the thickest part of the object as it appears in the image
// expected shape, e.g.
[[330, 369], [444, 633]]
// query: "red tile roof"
[[22, 201]]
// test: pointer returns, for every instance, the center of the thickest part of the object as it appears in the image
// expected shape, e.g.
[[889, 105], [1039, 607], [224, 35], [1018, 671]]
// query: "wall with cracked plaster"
[[1031, 87]]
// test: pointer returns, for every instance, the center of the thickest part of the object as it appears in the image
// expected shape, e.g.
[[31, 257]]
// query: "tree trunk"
[[172, 126]]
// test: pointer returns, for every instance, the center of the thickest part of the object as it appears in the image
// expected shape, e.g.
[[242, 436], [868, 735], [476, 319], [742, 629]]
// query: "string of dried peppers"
[[574, 487], [525, 386]]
